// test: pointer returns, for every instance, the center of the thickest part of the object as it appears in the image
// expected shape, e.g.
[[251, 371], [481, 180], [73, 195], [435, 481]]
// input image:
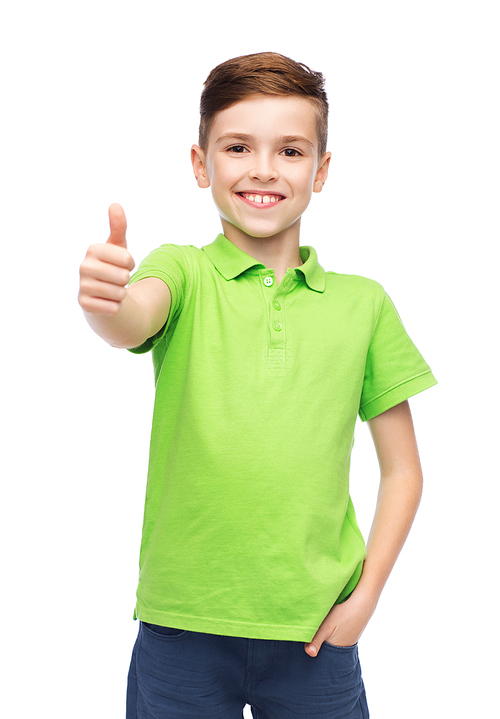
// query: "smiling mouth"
[[261, 200]]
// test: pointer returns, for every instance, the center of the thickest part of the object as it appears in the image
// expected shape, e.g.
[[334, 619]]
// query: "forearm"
[[129, 327], [398, 501]]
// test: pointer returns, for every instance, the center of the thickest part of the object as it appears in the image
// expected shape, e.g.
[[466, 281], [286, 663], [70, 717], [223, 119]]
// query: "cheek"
[[221, 181], [222, 169], [220, 186], [303, 189], [303, 179]]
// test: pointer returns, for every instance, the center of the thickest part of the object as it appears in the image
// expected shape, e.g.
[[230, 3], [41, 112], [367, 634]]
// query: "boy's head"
[[265, 73], [262, 146]]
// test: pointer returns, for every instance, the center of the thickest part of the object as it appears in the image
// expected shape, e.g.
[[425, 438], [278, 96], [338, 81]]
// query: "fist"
[[105, 271]]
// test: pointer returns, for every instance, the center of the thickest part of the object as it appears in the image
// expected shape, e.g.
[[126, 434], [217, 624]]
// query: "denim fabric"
[[178, 674]]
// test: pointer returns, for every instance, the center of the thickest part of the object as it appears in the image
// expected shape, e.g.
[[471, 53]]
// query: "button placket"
[[277, 316], [276, 354]]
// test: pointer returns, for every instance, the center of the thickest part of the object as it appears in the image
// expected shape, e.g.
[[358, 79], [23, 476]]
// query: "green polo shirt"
[[249, 529]]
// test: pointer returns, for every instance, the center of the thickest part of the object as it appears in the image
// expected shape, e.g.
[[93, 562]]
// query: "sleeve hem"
[[158, 274], [396, 395], [169, 281]]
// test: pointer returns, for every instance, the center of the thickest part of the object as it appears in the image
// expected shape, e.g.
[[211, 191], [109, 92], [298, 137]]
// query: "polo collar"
[[230, 261], [313, 273]]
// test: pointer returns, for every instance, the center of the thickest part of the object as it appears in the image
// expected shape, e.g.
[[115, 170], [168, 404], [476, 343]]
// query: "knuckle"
[[125, 257], [84, 269], [124, 277], [93, 250], [114, 308], [83, 286], [84, 303]]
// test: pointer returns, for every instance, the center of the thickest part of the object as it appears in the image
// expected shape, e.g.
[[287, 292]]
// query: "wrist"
[[367, 592], [127, 328]]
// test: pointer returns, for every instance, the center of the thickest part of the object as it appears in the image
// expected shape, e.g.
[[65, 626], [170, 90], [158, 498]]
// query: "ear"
[[322, 172], [198, 160]]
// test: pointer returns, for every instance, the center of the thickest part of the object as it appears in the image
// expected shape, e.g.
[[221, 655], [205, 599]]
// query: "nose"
[[264, 168]]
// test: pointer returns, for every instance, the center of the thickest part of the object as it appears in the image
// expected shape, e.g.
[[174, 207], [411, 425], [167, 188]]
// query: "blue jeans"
[[178, 674]]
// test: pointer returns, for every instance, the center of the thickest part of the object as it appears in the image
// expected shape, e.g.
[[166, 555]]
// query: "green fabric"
[[249, 529]]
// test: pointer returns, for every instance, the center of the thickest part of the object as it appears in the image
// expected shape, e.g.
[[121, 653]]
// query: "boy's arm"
[[398, 499], [124, 317]]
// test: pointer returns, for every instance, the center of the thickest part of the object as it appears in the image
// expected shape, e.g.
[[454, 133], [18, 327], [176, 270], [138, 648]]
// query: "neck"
[[277, 253]]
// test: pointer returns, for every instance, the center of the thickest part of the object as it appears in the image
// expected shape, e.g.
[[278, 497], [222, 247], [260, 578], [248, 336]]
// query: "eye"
[[290, 152], [238, 149]]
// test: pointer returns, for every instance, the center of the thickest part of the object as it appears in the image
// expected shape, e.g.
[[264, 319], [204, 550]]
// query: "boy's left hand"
[[344, 624]]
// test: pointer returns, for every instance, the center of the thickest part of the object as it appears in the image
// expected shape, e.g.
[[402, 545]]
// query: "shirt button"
[[276, 305], [277, 326], [268, 281]]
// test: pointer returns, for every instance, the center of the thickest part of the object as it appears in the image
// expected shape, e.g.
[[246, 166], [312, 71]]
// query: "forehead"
[[266, 117]]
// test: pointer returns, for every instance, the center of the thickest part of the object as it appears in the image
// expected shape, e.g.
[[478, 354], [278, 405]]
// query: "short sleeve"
[[170, 264], [395, 370]]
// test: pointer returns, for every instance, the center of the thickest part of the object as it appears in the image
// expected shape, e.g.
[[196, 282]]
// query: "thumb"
[[313, 647], [117, 226]]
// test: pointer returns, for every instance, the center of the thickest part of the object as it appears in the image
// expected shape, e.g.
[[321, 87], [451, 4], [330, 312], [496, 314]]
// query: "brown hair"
[[263, 73]]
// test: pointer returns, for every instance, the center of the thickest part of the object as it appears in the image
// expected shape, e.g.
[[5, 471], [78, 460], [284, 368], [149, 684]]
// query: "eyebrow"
[[242, 137], [235, 136], [290, 139]]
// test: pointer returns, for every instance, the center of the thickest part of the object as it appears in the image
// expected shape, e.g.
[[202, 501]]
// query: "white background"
[[100, 105]]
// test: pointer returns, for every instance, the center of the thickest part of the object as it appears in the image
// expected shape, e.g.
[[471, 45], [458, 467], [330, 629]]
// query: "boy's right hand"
[[105, 271]]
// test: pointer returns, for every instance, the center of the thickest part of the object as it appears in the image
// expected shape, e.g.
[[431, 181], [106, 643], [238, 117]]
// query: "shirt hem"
[[245, 630]]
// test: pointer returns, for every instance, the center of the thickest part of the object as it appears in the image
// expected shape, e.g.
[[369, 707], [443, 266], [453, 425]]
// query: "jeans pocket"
[[163, 632], [338, 648]]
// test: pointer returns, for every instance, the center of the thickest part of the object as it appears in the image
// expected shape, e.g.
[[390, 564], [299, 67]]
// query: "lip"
[[260, 205]]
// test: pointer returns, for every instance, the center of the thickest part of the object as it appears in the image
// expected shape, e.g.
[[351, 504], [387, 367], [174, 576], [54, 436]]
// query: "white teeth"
[[261, 199]]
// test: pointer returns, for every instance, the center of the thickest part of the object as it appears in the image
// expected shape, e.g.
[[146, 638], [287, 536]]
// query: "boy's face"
[[262, 165]]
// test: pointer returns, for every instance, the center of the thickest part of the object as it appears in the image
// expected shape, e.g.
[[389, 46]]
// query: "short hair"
[[263, 73]]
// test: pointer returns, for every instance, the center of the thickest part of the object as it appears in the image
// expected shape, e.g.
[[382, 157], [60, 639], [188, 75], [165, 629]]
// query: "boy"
[[255, 584]]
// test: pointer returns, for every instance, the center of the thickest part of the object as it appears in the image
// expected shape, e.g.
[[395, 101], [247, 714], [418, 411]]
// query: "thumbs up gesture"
[[105, 271], [117, 226]]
